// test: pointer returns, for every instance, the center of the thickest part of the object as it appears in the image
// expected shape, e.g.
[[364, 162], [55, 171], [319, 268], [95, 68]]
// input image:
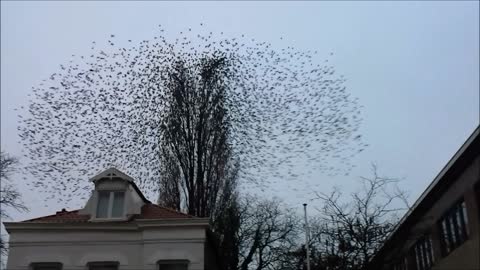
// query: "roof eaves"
[[202, 222], [15, 226]]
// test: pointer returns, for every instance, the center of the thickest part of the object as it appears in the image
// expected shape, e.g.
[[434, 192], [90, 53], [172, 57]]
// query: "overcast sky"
[[414, 66]]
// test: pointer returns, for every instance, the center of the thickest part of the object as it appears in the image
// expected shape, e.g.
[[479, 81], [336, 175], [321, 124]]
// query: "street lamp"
[[307, 236]]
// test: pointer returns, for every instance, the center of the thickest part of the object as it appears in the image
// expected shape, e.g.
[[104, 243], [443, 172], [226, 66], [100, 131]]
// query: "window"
[[477, 194], [46, 266], [423, 251], [110, 204], [173, 265], [454, 228], [401, 265], [102, 265]]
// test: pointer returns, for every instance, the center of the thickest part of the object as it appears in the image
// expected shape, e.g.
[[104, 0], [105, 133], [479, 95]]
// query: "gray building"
[[118, 229], [442, 229]]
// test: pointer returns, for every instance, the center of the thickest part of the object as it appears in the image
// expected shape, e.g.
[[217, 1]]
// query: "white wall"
[[134, 250]]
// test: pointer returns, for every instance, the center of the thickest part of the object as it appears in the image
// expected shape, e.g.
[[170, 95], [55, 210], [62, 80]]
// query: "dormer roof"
[[111, 173], [114, 173]]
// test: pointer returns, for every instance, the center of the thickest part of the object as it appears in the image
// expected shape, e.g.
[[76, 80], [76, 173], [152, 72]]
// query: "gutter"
[[109, 226]]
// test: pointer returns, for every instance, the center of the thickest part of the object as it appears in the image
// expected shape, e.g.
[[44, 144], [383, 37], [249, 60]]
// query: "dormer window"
[[110, 204], [115, 198]]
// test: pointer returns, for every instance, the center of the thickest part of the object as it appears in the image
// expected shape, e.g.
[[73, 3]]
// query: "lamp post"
[[307, 236]]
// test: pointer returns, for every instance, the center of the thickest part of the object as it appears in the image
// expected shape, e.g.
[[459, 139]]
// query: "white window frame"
[[110, 205]]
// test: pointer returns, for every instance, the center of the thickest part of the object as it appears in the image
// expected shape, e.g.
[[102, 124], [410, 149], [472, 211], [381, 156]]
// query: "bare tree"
[[348, 233], [9, 195], [170, 183], [268, 230], [199, 169], [226, 228], [194, 132]]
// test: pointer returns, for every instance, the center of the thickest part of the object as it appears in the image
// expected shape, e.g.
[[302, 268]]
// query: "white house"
[[118, 229]]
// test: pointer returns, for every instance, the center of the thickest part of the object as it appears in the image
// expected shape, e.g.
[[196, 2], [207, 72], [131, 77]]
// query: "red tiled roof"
[[149, 211], [153, 211], [62, 216]]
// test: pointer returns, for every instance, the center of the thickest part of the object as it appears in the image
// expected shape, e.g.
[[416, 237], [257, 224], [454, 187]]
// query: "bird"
[[276, 110]]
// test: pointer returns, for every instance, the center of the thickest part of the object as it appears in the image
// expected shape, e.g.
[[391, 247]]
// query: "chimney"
[[61, 212]]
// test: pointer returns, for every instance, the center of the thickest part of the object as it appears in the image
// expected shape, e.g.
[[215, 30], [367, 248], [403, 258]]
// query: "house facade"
[[118, 229], [442, 230]]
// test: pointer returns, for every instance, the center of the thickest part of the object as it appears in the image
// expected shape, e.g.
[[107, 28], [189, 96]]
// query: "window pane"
[[46, 266], [465, 217], [417, 258], [477, 192], [427, 254], [445, 242], [117, 208], [102, 206], [109, 267], [460, 226], [452, 230], [422, 256], [430, 247], [102, 266], [173, 267]]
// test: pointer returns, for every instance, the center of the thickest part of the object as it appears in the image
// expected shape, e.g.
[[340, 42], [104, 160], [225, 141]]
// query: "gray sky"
[[414, 66]]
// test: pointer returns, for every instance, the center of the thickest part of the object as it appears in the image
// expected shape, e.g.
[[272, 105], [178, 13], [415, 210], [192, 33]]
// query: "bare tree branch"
[[9, 195], [348, 234]]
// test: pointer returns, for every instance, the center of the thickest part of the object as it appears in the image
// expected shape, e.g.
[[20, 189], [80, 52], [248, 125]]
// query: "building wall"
[[134, 250], [464, 257]]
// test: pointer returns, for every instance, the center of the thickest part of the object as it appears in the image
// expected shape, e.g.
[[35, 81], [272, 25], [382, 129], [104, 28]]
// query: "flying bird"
[[274, 111]]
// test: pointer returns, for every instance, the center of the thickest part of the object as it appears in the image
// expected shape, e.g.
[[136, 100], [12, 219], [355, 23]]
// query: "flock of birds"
[[287, 112]]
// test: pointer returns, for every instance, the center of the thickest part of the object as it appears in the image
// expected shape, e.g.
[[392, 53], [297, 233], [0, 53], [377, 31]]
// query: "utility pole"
[[307, 236]]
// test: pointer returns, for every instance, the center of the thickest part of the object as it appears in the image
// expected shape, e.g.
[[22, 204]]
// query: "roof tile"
[[149, 211]]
